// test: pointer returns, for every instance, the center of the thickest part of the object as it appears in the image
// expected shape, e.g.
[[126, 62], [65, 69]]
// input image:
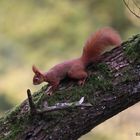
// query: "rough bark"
[[113, 85]]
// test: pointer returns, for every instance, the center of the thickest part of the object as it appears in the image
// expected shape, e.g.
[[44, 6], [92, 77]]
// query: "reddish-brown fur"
[[98, 42], [76, 69]]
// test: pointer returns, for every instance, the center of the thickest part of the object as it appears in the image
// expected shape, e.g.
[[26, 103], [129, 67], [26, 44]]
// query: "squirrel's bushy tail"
[[98, 42]]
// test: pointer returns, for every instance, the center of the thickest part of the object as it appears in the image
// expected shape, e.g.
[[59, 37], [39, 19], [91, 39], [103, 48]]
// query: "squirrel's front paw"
[[49, 91]]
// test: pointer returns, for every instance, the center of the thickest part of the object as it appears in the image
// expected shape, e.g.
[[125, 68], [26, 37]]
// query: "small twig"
[[64, 106], [57, 108], [127, 5], [33, 110]]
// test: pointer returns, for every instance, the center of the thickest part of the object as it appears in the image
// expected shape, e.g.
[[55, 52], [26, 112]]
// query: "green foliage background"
[[45, 32]]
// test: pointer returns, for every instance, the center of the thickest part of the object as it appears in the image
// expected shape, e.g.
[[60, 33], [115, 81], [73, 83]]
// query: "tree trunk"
[[112, 86]]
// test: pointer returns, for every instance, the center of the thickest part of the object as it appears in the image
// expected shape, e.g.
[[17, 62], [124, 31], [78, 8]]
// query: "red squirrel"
[[76, 68]]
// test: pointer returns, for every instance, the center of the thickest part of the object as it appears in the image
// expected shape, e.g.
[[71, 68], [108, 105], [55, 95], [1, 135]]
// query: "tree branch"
[[113, 85]]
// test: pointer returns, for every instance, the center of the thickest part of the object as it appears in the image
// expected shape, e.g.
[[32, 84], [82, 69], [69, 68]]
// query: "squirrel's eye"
[[36, 79]]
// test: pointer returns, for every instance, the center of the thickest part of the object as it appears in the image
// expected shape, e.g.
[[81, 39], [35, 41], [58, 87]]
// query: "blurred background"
[[46, 32]]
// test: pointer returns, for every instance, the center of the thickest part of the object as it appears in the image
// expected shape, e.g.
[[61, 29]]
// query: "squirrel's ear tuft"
[[35, 70]]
